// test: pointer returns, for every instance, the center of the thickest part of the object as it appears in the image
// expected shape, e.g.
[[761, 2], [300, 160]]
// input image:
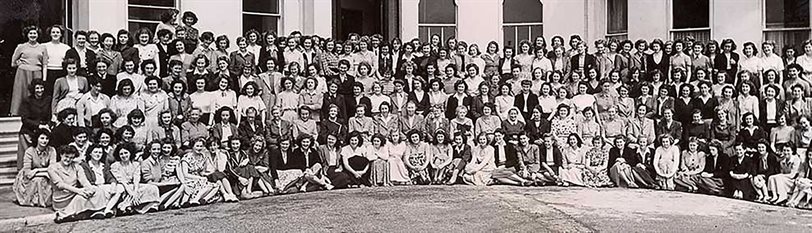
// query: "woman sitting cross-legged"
[[194, 168], [97, 172], [354, 159], [243, 174], [478, 171], [137, 197], [32, 187], [74, 196], [309, 162]]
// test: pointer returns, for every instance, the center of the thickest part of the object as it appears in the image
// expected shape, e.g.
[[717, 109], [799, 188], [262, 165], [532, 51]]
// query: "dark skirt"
[[216, 176], [247, 171], [358, 163], [338, 179], [711, 185], [743, 185]]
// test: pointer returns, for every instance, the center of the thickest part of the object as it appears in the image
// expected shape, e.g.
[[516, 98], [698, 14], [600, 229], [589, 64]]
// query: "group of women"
[[150, 121]]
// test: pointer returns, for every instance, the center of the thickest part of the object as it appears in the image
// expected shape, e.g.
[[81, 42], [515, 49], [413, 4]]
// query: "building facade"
[[478, 21]]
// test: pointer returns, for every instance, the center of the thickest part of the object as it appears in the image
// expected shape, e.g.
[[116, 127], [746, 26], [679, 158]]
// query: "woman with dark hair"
[[657, 60], [270, 51], [492, 59], [782, 183], [31, 60], [765, 164], [750, 134], [165, 129], [146, 50], [417, 158], [240, 57], [179, 102], [96, 168], [107, 53], [68, 89], [741, 170], [136, 120], [169, 21], [62, 133], [75, 197], [35, 113], [354, 160], [181, 50], [155, 99], [573, 166], [125, 46], [32, 186], [55, 51], [138, 197], [125, 101], [378, 155], [666, 162], [728, 60], [225, 124], [216, 165], [260, 159], [189, 19], [332, 163]]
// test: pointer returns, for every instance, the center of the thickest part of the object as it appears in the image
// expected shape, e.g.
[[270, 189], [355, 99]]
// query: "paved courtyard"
[[465, 209]]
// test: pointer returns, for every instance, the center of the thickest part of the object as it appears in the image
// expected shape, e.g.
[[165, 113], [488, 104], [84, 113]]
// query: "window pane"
[[510, 35], [260, 23], [691, 13], [524, 34], [166, 3], [134, 26], [437, 12], [787, 38], [522, 11], [618, 17], [262, 6], [448, 32], [145, 13], [423, 33], [536, 31], [787, 13]]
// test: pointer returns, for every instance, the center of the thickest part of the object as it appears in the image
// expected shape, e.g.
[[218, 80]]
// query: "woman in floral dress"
[[596, 161], [32, 187], [563, 125], [197, 189], [417, 157]]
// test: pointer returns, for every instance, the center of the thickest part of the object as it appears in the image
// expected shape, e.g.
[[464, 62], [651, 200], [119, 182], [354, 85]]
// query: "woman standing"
[[110, 55], [288, 100], [31, 60], [492, 59], [32, 186], [56, 51]]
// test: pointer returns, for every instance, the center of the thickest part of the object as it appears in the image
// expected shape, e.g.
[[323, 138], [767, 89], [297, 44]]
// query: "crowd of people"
[[145, 121]]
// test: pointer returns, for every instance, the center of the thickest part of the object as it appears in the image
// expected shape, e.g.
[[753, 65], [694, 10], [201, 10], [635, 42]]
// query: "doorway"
[[366, 17]]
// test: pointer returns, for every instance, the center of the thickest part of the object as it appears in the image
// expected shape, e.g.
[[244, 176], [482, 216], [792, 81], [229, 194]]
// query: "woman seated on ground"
[[194, 167], [530, 157], [97, 171], [621, 160], [441, 156], [32, 187], [258, 158], [765, 164], [572, 168], [417, 157], [666, 162], [313, 178], [162, 171], [596, 163], [74, 197], [803, 185], [478, 170], [713, 176], [379, 159], [693, 161], [218, 160], [461, 154], [242, 173], [354, 159], [398, 173], [137, 197], [741, 168], [507, 160], [331, 162], [782, 183]]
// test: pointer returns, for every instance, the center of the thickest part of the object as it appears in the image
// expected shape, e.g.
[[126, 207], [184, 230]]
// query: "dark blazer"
[[557, 159], [589, 62], [216, 131], [345, 86], [90, 60], [350, 101], [535, 132], [265, 55], [35, 112], [464, 154], [531, 102], [513, 62], [476, 106], [453, 102], [661, 65], [245, 129], [108, 83], [277, 164], [423, 104], [311, 159], [780, 106], [338, 100], [327, 127], [626, 153], [720, 64], [108, 176], [385, 63], [163, 60], [720, 168], [510, 157], [708, 108], [772, 166]]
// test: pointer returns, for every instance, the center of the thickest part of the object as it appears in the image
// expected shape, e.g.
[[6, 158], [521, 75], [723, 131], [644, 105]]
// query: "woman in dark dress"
[[713, 178], [314, 177], [240, 172], [697, 128], [723, 130], [332, 125], [750, 134], [741, 171], [35, 113], [705, 102], [765, 164], [682, 104]]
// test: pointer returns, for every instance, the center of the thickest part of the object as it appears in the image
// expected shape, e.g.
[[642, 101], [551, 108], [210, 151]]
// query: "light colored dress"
[[122, 105], [34, 191], [574, 158], [67, 203], [783, 183], [589, 130], [288, 102], [154, 104], [479, 171], [397, 169], [503, 104], [562, 128], [130, 175]]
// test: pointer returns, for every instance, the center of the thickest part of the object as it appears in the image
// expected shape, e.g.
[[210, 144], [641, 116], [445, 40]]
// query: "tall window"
[[786, 22], [690, 18], [262, 15], [147, 13], [436, 17], [618, 17], [522, 20]]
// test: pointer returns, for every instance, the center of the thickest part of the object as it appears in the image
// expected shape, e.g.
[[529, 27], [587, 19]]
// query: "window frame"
[[440, 26], [620, 34], [176, 4], [673, 32], [529, 26], [766, 30], [278, 16]]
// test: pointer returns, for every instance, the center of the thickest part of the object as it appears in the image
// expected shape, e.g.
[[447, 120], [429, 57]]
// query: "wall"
[[479, 21], [727, 24], [322, 14], [106, 15], [564, 18], [648, 19]]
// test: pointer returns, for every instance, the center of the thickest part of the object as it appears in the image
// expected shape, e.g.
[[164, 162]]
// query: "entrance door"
[[365, 17]]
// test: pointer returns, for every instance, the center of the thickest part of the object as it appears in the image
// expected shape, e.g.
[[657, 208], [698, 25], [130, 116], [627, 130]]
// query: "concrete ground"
[[464, 209]]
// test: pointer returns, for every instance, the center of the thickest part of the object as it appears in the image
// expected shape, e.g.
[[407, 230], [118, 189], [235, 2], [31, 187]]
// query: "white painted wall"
[[408, 18], [564, 18], [292, 16], [322, 13], [479, 21], [648, 19], [106, 15], [737, 19]]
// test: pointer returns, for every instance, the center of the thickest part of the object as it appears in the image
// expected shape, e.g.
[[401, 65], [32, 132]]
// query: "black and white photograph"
[[405, 116]]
